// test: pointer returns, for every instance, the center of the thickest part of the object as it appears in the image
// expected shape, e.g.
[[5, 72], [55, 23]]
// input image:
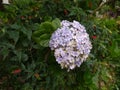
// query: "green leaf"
[[44, 40], [2, 32], [56, 23], [47, 18], [104, 74], [30, 74], [23, 66], [25, 42], [114, 49], [28, 33], [96, 79], [44, 43], [45, 36], [88, 77], [4, 52], [21, 56], [24, 57], [37, 33], [15, 26], [47, 27], [14, 35], [7, 45], [42, 35]]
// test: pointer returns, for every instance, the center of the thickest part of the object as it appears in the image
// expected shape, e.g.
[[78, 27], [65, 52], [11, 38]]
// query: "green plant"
[[26, 61]]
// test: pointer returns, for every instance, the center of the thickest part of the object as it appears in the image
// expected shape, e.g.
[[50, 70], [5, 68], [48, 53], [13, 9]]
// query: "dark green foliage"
[[26, 61]]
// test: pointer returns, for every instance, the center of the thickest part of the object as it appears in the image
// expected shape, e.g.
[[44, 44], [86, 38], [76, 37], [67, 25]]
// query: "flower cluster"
[[71, 44]]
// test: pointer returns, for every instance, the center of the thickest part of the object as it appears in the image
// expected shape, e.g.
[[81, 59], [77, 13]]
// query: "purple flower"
[[71, 44]]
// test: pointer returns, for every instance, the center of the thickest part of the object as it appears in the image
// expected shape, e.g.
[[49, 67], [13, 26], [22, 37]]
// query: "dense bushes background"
[[26, 62]]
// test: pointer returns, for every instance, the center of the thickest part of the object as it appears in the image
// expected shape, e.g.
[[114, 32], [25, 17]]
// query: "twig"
[[47, 54], [100, 6]]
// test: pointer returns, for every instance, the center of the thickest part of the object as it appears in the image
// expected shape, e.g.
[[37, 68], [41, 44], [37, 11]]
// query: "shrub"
[[26, 61]]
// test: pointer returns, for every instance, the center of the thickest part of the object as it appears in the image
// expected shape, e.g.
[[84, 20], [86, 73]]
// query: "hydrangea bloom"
[[71, 44]]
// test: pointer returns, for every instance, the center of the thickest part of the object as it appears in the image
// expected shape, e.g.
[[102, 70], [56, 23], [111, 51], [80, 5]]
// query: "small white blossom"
[[71, 44]]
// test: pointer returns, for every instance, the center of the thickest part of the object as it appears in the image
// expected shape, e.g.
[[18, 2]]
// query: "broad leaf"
[[47, 27], [56, 23], [44, 40]]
